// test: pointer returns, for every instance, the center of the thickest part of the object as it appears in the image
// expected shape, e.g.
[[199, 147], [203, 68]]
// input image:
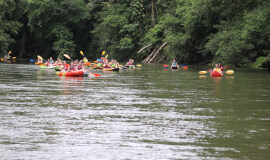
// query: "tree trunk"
[[154, 56], [153, 14], [157, 52], [144, 48], [146, 60]]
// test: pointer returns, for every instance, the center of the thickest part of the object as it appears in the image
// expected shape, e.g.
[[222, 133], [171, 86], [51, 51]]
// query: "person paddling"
[[217, 68], [72, 67], [80, 67], [174, 65], [64, 66], [114, 64], [106, 65]]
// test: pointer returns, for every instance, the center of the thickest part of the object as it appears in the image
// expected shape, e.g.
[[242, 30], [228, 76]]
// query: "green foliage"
[[259, 61], [11, 12], [64, 43], [196, 31], [240, 40]]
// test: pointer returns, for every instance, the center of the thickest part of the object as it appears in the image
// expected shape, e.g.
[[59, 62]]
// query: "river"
[[147, 113]]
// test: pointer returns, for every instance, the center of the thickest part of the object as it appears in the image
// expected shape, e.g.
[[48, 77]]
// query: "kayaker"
[[130, 63], [64, 66], [40, 61], [80, 67], [51, 60], [105, 60], [114, 64], [72, 67], [217, 68], [106, 65], [48, 63], [174, 64], [85, 60], [221, 67], [58, 61]]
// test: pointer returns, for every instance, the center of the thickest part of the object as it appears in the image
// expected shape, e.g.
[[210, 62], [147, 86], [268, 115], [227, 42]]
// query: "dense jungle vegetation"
[[233, 32]]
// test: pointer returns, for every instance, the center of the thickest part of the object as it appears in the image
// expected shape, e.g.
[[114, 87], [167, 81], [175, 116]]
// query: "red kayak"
[[70, 74], [216, 74]]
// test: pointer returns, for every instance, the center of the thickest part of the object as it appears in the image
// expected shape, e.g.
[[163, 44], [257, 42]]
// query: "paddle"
[[81, 53], [229, 72], [226, 72], [68, 57], [89, 73], [9, 52], [203, 72], [138, 65], [103, 52], [123, 67], [39, 57]]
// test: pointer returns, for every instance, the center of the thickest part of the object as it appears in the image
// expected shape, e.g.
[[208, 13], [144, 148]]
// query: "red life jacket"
[[72, 68]]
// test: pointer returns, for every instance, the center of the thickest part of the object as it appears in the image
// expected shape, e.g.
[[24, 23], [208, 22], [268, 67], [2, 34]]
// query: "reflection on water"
[[147, 113]]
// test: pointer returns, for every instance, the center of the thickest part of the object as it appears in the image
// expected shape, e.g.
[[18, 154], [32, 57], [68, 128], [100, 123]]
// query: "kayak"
[[110, 69], [87, 64], [129, 66], [175, 68], [51, 67], [97, 67], [185, 67], [71, 74], [165, 66], [38, 63], [216, 74]]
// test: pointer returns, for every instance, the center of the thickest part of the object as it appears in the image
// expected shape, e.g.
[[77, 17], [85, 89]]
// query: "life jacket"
[[106, 66], [72, 68], [65, 67], [79, 67]]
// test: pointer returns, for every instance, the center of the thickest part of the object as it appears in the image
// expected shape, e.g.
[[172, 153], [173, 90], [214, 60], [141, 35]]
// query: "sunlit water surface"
[[146, 113]]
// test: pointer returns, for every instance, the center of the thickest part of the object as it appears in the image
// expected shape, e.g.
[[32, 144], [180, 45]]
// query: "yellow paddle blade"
[[81, 53], [138, 65], [229, 72], [67, 56], [106, 56], [203, 72], [39, 57], [2, 59], [103, 52], [9, 52], [13, 57]]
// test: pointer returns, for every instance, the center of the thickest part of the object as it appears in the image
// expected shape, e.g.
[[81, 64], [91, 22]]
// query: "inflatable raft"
[[71, 74]]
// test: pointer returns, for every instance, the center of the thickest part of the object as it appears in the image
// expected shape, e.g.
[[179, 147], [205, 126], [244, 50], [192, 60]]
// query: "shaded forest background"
[[233, 32]]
